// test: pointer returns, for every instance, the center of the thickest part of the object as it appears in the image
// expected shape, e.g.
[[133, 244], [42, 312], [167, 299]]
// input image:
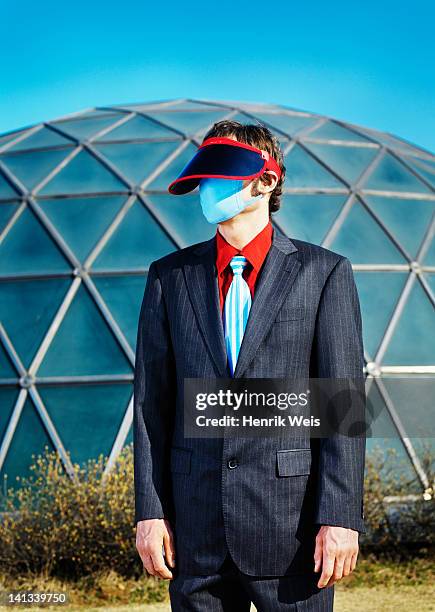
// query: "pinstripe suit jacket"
[[304, 321]]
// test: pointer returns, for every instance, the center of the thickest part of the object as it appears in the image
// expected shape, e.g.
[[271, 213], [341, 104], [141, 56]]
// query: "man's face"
[[223, 200]]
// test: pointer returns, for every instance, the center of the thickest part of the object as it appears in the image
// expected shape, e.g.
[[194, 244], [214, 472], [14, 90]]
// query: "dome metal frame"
[[407, 155]]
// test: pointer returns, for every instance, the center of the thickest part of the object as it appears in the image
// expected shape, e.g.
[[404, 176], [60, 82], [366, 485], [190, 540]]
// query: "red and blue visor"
[[220, 157]]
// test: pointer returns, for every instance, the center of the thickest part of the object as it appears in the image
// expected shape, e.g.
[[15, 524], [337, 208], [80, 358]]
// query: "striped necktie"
[[237, 306]]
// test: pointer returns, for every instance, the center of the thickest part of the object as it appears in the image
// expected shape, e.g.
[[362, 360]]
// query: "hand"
[[151, 536], [336, 553]]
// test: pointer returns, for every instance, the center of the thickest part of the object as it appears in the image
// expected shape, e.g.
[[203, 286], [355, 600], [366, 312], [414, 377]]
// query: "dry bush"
[[397, 517], [59, 527]]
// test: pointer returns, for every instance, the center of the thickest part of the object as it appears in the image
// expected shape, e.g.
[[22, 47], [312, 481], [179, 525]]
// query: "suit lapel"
[[273, 285], [202, 285]]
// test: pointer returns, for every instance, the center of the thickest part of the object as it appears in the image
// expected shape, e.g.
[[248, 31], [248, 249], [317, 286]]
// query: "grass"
[[374, 599], [376, 585], [385, 599]]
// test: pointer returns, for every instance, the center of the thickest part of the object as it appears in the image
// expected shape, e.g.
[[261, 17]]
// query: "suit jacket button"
[[233, 463]]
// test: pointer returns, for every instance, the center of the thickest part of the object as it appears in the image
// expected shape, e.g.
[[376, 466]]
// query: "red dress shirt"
[[255, 252]]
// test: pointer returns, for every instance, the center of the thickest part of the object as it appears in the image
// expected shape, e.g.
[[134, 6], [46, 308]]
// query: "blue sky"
[[370, 63]]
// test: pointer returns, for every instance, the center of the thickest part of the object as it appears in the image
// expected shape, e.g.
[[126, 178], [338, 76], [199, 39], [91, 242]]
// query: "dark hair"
[[256, 135]]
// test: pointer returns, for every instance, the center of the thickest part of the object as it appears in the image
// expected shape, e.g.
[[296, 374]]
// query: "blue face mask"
[[221, 199]]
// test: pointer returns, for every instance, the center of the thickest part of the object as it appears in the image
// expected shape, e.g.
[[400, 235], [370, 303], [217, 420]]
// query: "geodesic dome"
[[84, 210]]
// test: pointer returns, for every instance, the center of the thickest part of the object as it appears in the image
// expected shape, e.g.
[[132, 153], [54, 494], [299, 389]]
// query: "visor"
[[220, 157]]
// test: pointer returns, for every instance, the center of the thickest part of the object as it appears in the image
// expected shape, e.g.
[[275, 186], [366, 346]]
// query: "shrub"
[[397, 516], [58, 526]]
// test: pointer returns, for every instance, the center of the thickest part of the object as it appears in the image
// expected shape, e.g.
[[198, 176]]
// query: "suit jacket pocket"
[[180, 460], [293, 462]]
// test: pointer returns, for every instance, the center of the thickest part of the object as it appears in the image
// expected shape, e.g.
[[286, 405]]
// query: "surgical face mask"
[[222, 199]]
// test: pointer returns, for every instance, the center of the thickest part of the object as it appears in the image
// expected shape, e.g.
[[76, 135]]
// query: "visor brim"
[[218, 161]]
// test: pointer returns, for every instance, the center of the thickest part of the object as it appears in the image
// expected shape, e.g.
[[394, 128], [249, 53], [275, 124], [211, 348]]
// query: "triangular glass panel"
[[92, 114], [304, 171], [28, 248], [156, 105], [7, 370], [378, 417], [183, 215], [7, 209], [8, 398], [333, 131], [429, 257], [137, 128], [347, 162], [391, 175], [123, 296], [289, 124], [423, 168], [27, 309], [284, 142], [146, 241], [413, 338], [407, 220], [189, 123], [425, 446], [254, 107], [241, 117], [32, 167], [83, 174], [74, 410], [431, 280], [30, 437], [426, 162], [194, 105], [11, 136], [41, 139], [363, 241], [416, 392], [391, 142], [170, 172], [246, 119], [137, 160], [84, 344], [6, 190], [383, 436], [308, 217], [83, 129], [82, 221], [377, 313]]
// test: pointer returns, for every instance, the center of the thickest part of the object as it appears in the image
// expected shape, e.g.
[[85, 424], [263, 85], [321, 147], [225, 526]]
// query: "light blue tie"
[[236, 312]]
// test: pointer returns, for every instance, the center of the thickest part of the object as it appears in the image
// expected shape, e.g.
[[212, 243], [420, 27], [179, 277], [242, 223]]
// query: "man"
[[232, 521]]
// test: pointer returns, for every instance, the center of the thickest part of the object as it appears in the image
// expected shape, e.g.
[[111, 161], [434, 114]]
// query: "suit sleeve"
[[340, 355], [154, 404]]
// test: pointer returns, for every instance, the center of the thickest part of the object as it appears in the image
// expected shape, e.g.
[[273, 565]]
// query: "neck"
[[240, 230]]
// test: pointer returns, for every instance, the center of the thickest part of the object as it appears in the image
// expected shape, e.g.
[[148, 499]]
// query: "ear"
[[269, 180]]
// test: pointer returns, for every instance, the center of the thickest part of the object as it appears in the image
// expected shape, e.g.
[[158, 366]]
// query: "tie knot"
[[238, 264]]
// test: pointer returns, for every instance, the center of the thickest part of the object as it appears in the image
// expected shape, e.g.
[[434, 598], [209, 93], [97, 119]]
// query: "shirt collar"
[[255, 251]]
